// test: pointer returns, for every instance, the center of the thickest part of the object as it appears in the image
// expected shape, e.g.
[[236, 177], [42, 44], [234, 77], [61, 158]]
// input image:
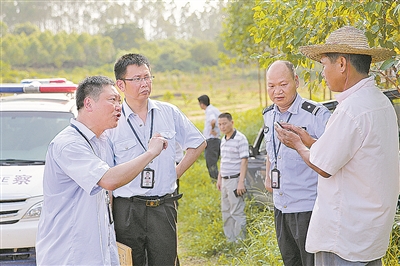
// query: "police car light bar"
[[45, 81], [36, 87]]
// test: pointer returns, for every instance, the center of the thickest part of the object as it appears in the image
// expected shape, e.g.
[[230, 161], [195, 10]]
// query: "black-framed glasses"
[[138, 80]]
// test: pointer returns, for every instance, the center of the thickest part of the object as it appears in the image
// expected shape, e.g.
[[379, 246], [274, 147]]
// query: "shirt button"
[[279, 157], [285, 206], [280, 194], [140, 125]]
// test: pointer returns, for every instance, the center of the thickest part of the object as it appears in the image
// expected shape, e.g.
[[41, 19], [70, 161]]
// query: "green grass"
[[201, 237]]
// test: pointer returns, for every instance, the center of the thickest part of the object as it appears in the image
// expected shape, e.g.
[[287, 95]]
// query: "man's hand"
[[213, 132], [292, 140], [240, 188], [304, 136], [267, 183], [219, 182], [157, 144], [287, 137]]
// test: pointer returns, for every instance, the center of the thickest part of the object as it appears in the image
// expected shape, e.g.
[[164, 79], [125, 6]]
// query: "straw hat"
[[346, 40]]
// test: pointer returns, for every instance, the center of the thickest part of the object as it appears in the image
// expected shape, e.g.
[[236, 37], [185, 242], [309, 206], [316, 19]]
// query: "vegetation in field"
[[201, 237]]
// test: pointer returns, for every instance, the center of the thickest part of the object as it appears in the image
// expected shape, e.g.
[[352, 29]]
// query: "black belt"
[[154, 201], [231, 176]]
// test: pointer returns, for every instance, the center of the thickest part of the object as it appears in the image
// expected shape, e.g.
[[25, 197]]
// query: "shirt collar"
[[366, 82], [128, 111], [86, 131], [233, 134]]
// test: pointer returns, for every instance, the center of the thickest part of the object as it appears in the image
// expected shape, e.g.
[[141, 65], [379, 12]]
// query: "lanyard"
[[276, 151], [134, 131], [108, 202], [83, 135]]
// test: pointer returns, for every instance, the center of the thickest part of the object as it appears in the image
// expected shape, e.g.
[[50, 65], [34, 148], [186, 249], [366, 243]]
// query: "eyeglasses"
[[137, 80]]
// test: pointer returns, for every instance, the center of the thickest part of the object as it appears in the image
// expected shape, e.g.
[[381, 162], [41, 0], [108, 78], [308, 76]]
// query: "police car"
[[256, 166], [32, 113]]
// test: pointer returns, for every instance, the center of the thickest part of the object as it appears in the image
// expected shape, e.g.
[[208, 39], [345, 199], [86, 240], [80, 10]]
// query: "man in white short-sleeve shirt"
[[76, 225]]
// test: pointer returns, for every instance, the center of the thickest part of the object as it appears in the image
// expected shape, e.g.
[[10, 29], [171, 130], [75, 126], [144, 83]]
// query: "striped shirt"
[[233, 151]]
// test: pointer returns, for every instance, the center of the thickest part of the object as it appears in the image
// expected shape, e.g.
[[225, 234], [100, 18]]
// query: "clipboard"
[[124, 254]]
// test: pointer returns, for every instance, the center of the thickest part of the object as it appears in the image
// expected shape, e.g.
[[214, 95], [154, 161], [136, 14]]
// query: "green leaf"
[[388, 64]]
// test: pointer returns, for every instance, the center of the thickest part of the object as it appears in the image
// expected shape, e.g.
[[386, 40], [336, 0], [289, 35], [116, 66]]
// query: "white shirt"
[[355, 207], [74, 226], [171, 123], [212, 113]]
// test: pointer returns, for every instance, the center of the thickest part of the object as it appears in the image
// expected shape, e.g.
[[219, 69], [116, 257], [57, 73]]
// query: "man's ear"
[[343, 63], [87, 103], [120, 84], [297, 82]]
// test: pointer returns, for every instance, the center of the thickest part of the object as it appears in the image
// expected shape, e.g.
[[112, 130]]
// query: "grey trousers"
[[331, 259]]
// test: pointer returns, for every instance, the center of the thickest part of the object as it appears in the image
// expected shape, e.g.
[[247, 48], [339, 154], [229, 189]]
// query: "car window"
[[26, 135]]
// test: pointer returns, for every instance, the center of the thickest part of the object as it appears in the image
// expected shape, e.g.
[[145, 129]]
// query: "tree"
[[27, 28], [3, 29], [125, 36], [285, 25], [205, 53], [239, 42]]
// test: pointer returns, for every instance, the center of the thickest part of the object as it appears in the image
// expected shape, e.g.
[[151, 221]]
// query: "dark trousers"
[[211, 154], [291, 232], [149, 231]]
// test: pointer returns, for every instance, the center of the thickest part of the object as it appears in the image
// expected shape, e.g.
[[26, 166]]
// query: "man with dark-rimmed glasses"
[[145, 212]]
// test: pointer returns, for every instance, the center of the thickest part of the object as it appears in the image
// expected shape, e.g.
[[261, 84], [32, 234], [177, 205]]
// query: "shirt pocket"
[[167, 134], [126, 150]]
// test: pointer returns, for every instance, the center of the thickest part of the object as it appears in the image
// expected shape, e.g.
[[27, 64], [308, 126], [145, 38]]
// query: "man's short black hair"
[[126, 60], [204, 99], [91, 87], [361, 62], [226, 115]]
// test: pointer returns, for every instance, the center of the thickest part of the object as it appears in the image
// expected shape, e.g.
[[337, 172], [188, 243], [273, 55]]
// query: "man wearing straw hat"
[[356, 157]]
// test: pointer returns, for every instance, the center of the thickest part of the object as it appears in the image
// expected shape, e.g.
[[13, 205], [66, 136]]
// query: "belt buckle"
[[152, 203]]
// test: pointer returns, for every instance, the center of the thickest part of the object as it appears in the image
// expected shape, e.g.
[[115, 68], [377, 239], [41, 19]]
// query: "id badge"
[[275, 178], [147, 178]]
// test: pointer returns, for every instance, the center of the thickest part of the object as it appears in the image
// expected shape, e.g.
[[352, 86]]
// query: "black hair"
[[128, 59], [91, 87], [226, 115], [204, 99], [361, 62]]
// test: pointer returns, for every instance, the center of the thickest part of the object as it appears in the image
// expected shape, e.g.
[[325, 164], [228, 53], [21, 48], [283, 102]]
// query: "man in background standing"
[[212, 134], [234, 159]]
